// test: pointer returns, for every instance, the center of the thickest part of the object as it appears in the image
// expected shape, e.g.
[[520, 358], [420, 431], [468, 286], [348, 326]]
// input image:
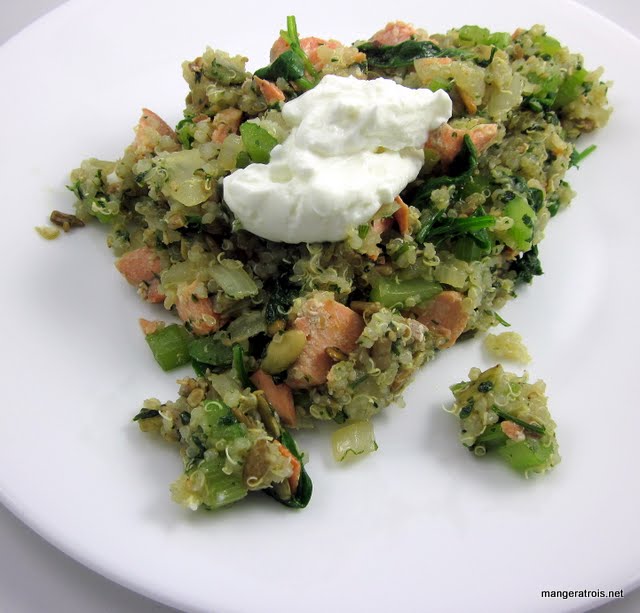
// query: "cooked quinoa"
[[502, 412], [282, 335]]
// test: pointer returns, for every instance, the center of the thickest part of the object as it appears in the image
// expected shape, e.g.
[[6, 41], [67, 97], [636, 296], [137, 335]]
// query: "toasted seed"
[[267, 415], [242, 418], [65, 220], [195, 397], [336, 354], [277, 326], [361, 306]]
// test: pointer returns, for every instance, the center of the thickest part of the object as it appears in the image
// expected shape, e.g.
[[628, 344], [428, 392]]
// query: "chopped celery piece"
[[218, 422], [525, 455], [170, 346], [477, 35], [393, 292], [211, 351], [354, 439], [258, 142], [207, 485], [520, 235], [547, 45]]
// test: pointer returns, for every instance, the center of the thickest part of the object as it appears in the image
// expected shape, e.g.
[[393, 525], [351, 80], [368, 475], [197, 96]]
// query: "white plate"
[[420, 524]]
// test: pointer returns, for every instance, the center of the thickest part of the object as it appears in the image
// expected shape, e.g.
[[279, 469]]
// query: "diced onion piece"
[[352, 440]]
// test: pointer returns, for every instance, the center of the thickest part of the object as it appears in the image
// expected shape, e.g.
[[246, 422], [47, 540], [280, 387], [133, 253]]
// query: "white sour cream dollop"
[[354, 146]]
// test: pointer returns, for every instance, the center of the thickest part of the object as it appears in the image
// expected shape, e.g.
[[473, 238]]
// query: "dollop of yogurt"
[[354, 145]]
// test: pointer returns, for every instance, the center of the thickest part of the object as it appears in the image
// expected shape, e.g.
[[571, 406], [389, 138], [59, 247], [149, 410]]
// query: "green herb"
[[211, 351], [525, 424], [363, 230], [239, 367], [425, 229], [184, 132], [281, 298], [146, 414], [170, 346], [287, 66], [527, 266], [405, 53], [76, 188], [501, 321], [293, 63], [359, 380], [466, 410], [472, 240], [485, 386], [185, 418], [578, 156], [571, 88], [402, 249]]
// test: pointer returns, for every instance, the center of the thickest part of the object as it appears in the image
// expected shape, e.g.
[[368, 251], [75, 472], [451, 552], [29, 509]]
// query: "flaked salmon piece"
[[154, 294], [439, 61], [148, 131], [278, 396], [326, 323], [271, 92], [514, 431], [401, 216], [309, 45], [294, 479], [447, 141], [196, 311], [139, 265], [224, 123], [394, 33], [446, 317], [381, 224], [149, 327]]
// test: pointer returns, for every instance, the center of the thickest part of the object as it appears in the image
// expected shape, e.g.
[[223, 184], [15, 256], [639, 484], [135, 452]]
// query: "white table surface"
[[37, 578]]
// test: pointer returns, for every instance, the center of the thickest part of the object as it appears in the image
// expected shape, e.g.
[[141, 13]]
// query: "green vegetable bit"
[[393, 292], [258, 142], [578, 156], [520, 430], [211, 351], [170, 346], [239, 367], [520, 235]]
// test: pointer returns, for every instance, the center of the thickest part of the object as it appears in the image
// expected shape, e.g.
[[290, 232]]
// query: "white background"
[[36, 577]]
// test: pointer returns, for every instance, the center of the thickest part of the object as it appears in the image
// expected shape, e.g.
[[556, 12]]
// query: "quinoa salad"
[[283, 333]]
